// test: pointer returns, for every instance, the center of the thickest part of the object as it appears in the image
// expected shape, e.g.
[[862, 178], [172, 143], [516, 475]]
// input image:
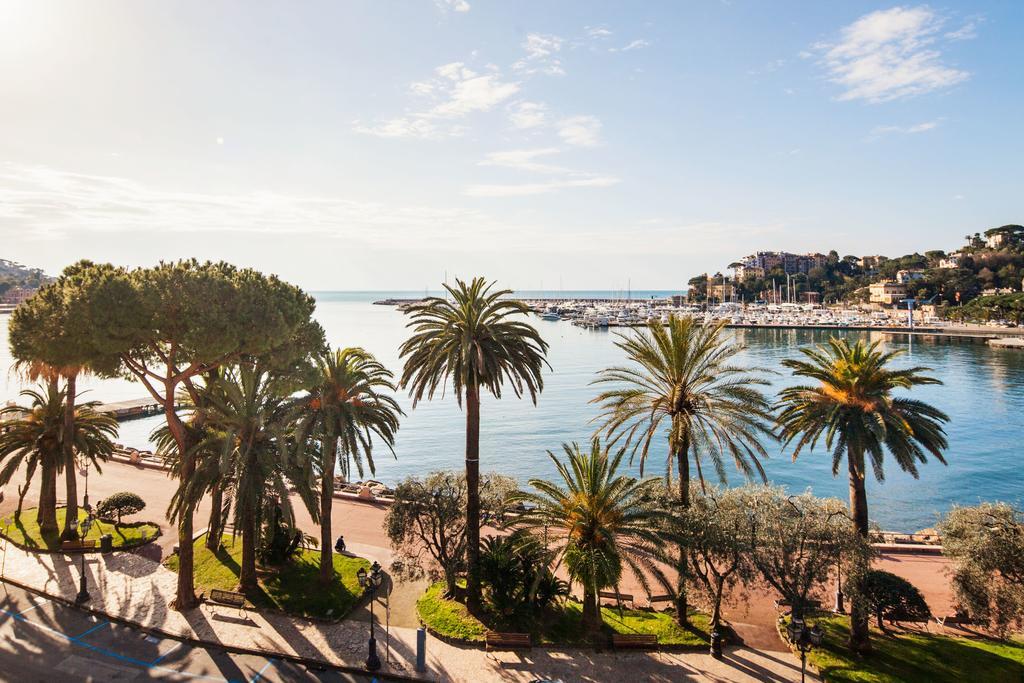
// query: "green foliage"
[[24, 530], [427, 522], [347, 403], [798, 541], [281, 539], [892, 598], [120, 504], [286, 587], [916, 658], [559, 624], [597, 520], [987, 544], [683, 381], [1009, 307], [478, 339], [516, 574], [853, 409]]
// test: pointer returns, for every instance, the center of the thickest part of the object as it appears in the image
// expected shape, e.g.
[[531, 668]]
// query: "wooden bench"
[[617, 597], [660, 598], [955, 620], [809, 604], [507, 641], [229, 599], [78, 545], [647, 641]]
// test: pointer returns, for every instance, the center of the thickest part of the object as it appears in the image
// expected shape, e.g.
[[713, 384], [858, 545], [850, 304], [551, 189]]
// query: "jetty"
[[1007, 343], [131, 410]]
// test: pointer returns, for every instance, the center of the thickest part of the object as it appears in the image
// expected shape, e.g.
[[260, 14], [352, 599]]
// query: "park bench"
[[617, 597], [647, 641], [660, 598], [78, 545], [507, 641], [809, 604], [228, 599], [955, 620]]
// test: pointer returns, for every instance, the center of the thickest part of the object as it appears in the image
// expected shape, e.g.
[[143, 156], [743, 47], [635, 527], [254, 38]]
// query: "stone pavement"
[[132, 587]]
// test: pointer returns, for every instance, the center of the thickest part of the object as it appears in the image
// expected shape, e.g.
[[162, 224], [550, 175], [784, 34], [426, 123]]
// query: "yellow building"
[[887, 293]]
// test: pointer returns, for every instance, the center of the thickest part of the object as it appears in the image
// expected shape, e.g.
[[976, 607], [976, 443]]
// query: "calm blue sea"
[[983, 392]]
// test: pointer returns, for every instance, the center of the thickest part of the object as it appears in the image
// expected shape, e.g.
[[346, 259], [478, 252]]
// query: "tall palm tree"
[[596, 521], [35, 436], [683, 382], [478, 340], [247, 414], [852, 408], [344, 409]]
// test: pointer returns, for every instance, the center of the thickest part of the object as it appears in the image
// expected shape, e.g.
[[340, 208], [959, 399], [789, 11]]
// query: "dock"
[[1007, 343], [131, 410]]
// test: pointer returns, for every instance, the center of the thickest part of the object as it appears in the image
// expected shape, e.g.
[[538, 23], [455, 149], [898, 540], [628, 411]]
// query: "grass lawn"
[[25, 531], [905, 658], [293, 588], [560, 625]]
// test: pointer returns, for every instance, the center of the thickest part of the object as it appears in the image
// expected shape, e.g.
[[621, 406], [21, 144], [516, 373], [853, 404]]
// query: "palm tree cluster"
[[259, 428]]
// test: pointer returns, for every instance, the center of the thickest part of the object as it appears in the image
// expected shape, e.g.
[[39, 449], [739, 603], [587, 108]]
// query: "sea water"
[[982, 391]]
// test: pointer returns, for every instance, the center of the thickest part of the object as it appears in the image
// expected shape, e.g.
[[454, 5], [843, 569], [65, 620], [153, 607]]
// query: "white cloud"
[[767, 68], [455, 91], [526, 115], [541, 55], [45, 203], [966, 32], [582, 131], [890, 54], [523, 160], [922, 127], [453, 5], [597, 31], [634, 45], [525, 189]]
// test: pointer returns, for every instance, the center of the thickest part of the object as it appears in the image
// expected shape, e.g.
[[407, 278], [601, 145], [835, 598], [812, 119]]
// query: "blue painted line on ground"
[[259, 674], [94, 628], [166, 654]]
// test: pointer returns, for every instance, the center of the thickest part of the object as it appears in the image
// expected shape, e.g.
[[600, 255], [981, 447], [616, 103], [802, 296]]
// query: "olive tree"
[[427, 522], [169, 324], [797, 541], [987, 544], [713, 532]]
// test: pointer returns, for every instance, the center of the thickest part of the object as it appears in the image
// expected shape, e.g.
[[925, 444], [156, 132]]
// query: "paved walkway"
[[132, 587]]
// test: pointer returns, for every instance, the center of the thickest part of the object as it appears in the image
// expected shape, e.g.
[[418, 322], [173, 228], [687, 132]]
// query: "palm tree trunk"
[[473, 498], [215, 529], [46, 516], [185, 597], [859, 635], [70, 476], [326, 503], [247, 573], [683, 467], [591, 613]]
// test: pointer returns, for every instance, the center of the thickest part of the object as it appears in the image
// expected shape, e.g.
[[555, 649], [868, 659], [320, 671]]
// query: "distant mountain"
[[14, 274]]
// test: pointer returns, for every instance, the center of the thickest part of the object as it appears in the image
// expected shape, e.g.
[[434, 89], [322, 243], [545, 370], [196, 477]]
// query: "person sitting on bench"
[[339, 545]]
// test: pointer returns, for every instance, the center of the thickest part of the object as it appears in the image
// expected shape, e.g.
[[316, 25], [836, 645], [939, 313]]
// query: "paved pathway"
[[43, 640]]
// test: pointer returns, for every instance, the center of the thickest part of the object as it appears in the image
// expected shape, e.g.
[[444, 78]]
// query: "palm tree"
[[852, 408], [683, 381], [35, 436], [345, 408], [597, 520], [247, 416], [476, 340]]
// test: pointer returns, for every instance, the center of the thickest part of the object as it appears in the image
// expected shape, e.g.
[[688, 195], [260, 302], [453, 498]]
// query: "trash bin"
[[106, 543]]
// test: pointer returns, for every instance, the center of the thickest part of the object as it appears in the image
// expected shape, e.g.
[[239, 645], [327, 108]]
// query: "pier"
[[131, 410]]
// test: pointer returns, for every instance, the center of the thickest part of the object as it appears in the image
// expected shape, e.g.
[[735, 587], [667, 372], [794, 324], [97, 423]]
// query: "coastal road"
[[41, 640]]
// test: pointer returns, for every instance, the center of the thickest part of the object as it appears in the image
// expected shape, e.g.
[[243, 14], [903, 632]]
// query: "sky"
[[381, 145]]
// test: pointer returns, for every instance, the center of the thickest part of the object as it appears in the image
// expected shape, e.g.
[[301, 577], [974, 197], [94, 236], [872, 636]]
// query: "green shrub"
[[118, 504], [516, 575], [893, 598]]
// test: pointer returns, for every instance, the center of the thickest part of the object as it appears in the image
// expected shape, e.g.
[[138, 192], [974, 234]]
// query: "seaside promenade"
[[136, 587]]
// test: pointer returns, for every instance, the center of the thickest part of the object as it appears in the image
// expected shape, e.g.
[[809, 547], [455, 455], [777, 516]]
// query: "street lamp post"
[[803, 639], [371, 581], [83, 591]]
